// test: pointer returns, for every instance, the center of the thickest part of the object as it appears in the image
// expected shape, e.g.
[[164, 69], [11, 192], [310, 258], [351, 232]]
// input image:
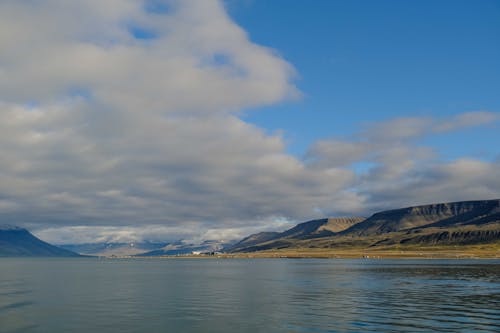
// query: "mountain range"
[[145, 249], [108, 249], [443, 224], [182, 248], [455, 223]]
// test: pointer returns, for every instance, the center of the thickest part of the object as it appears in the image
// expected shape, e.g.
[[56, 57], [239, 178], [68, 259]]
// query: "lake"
[[248, 295]]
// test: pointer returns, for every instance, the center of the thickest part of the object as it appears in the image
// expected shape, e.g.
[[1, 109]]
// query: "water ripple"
[[249, 296]]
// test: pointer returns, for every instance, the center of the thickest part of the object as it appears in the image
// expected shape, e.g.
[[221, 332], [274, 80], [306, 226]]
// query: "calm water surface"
[[212, 295]]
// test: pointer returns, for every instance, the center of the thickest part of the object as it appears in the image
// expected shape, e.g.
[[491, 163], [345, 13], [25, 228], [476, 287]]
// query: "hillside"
[[19, 242], [252, 240], [455, 223], [307, 230], [452, 214]]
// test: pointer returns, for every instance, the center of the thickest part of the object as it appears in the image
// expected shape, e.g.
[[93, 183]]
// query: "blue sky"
[[369, 61]]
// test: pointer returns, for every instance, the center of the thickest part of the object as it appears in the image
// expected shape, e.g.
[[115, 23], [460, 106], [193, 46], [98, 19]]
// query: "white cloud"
[[100, 128], [467, 119], [106, 136], [401, 171], [158, 233], [51, 49], [411, 128], [399, 129]]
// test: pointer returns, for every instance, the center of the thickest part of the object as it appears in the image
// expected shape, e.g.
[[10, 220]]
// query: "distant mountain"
[[19, 242], [113, 248], [454, 223], [307, 230], [148, 249], [180, 247], [252, 240]]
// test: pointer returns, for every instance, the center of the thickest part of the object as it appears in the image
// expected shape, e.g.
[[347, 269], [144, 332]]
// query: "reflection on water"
[[189, 295]]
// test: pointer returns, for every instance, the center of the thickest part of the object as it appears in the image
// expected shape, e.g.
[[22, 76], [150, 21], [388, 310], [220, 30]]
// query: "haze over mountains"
[[180, 248], [150, 249], [108, 249]]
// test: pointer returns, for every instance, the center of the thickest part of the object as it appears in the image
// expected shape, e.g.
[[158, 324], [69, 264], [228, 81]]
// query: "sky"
[[205, 119]]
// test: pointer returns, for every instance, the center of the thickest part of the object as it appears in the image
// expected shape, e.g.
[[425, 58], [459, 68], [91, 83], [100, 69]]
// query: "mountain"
[[181, 247], [19, 242], [252, 240], [320, 228], [435, 215], [113, 248], [307, 230], [454, 223]]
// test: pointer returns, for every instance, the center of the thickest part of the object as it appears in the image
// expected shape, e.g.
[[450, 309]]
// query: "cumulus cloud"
[[410, 128], [400, 171], [116, 115], [119, 121], [467, 119], [198, 61], [156, 233]]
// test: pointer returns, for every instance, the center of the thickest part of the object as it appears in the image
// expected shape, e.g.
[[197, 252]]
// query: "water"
[[212, 295]]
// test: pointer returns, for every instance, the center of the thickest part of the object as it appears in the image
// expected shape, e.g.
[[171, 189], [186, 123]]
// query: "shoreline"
[[469, 252]]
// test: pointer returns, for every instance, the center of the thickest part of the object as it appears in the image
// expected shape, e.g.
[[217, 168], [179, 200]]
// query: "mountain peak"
[[19, 242]]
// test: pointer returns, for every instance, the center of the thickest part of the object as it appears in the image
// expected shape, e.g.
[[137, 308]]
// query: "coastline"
[[489, 251]]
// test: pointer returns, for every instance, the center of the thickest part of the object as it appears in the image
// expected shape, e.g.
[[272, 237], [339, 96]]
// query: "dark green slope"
[[19, 242]]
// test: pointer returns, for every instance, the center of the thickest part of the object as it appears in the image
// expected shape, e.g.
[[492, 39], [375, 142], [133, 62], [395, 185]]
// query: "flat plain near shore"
[[489, 251]]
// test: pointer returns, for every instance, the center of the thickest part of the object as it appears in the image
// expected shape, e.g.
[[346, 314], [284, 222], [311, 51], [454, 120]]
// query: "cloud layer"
[[120, 119]]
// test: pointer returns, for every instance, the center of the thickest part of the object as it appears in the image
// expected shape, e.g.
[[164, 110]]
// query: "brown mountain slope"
[[252, 240], [451, 214], [338, 224], [306, 230], [455, 223]]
